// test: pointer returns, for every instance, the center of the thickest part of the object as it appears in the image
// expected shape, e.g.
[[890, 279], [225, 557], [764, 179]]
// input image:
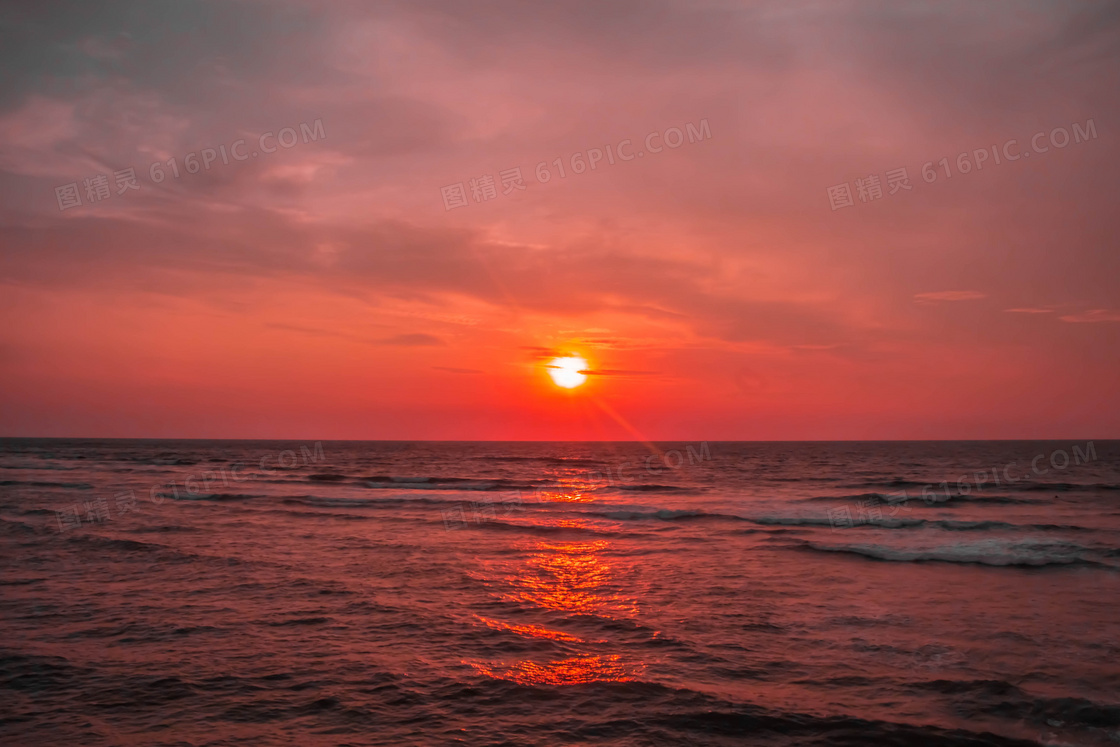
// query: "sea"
[[193, 593]]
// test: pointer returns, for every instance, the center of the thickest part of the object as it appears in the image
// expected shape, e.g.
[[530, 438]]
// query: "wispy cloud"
[[948, 296], [1095, 315], [617, 372], [1028, 311]]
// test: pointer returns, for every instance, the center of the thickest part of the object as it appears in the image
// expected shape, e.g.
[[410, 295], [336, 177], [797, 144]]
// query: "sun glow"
[[568, 372]]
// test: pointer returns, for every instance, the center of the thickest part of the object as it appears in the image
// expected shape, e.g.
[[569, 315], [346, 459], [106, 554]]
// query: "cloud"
[[451, 369], [948, 296], [617, 372], [1095, 315], [1028, 311]]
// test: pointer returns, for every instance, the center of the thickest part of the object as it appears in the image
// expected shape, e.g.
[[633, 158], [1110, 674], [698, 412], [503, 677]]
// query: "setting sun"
[[568, 372]]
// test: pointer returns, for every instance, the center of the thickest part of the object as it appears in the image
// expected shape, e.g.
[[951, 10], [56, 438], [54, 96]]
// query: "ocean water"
[[415, 593]]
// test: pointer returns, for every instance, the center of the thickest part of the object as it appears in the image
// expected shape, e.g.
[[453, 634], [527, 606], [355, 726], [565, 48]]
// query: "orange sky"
[[326, 290]]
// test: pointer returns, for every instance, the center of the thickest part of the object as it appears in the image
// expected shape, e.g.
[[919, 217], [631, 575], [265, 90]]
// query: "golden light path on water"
[[568, 580]]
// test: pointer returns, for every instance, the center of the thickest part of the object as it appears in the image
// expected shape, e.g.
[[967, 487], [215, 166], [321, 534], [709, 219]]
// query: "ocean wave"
[[11, 526], [299, 621], [478, 483], [35, 512], [544, 529], [940, 499], [333, 516], [382, 482], [992, 552], [892, 483], [975, 526], [379, 502], [696, 719], [981, 698], [626, 514], [948, 525], [993, 499], [218, 497], [792, 521], [40, 484], [664, 514], [52, 467], [328, 477], [555, 461], [817, 521], [1065, 487], [847, 497], [1073, 711], [140, 549]]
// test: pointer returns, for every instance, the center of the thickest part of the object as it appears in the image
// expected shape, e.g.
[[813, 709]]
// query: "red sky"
[[325, 290]]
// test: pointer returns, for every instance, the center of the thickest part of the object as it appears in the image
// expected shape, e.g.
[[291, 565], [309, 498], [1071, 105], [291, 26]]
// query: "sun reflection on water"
[[576, 670], [570, 577], [531, 631], [566, 579], [566, 495]]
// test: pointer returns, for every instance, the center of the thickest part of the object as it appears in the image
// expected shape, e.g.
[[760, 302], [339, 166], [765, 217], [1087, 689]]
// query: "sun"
[[567, 372]]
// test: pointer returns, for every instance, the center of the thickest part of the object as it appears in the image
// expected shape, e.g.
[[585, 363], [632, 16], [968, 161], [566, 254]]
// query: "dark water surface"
[[381, 593]]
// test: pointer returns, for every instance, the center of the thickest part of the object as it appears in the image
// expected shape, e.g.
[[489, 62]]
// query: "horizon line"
[[575, 441]]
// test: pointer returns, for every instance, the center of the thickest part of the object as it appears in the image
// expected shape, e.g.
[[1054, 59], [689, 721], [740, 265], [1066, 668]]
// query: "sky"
[[323, 234]]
